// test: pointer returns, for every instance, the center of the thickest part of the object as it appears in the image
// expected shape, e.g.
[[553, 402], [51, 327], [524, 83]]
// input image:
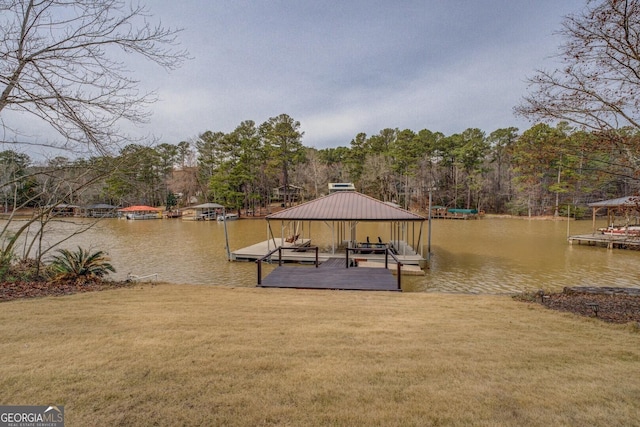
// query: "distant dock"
[[606, 240], [442, 212]]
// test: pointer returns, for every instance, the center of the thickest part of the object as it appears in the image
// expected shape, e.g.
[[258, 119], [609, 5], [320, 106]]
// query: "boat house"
[[443, 212], [140, 212], [61, 209], [623, 224], [99, 210], [338, 216], [625, 208], [203, 212]]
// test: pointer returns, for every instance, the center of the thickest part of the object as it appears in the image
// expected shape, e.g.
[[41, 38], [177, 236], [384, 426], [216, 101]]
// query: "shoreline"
[[615, 305]]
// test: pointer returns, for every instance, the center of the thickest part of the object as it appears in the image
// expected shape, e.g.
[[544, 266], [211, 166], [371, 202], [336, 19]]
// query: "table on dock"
[[331, 274]]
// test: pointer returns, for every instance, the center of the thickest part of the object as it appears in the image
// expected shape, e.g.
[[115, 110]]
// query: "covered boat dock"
[[341, 213], [623, 224], [99, 210], [203, 212], [349, 261]]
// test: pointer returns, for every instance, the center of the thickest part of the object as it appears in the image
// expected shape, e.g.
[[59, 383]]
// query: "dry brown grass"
[[196, 355]]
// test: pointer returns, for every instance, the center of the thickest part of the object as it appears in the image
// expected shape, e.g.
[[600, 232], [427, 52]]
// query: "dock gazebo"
[[625, 235], [627, 206], [100, 210], [341, 212], [205, 211]]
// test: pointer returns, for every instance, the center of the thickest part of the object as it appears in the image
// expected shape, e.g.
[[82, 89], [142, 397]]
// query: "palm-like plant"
[[80, 265]]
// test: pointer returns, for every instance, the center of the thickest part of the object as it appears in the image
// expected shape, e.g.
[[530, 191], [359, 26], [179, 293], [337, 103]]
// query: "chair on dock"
[[363, 246], [366, 245], [303, 246], [292, 239]]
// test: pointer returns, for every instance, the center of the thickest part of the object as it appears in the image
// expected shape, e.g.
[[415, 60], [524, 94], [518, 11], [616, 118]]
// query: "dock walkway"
[[610, 241], [331, 274], [258, 250]]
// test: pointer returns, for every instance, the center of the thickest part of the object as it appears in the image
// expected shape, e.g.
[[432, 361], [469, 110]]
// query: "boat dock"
[[607, 240], [441, 212], [331, 274], [303, 255]]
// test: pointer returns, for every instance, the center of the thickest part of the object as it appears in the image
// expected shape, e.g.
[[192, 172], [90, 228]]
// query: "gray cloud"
[[354, 66]]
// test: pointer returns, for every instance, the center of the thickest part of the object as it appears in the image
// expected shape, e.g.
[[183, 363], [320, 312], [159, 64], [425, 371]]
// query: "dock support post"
[[259, 272]]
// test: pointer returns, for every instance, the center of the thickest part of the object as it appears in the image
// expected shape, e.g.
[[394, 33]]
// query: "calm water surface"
[[485, 256]]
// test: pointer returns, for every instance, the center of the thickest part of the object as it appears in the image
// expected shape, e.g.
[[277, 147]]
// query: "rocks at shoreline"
[[19, 290], [615, 305]]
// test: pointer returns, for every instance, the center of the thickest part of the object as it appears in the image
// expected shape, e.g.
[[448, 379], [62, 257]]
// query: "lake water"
[[492, 255]]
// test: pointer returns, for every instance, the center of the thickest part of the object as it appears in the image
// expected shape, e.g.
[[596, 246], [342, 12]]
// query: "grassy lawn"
[[197, 355]]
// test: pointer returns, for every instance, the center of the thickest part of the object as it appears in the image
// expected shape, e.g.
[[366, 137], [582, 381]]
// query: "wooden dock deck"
[[258, 250], [608, 241], [331, 274]]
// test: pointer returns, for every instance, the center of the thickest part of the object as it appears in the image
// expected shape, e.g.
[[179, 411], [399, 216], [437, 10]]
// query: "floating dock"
[[407, 256], [607, 240], [331, 274]]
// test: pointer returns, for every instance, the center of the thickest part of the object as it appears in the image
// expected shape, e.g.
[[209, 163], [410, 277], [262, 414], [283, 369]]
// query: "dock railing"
[[279, 249], [387, 253]]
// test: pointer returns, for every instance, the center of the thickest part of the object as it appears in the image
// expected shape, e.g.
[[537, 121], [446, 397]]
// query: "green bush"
[[577, 212], [80, 266], [516, 208], [14, 269]]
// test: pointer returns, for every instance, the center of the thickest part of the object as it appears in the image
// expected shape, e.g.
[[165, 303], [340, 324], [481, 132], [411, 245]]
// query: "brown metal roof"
[[629, 201], [346, 206]]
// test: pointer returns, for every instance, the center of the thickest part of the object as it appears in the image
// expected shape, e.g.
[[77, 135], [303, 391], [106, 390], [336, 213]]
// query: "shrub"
[[80, 266], [577, 212], [13, 269]]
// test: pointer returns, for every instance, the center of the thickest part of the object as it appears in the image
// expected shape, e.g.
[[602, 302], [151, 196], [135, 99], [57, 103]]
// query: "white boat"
[[228, 217], [612, 230], [140, 216], [140, 212]]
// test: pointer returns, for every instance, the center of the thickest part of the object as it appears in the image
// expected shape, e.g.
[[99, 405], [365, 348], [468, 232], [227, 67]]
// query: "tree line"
[[63, 65], [540, 171]]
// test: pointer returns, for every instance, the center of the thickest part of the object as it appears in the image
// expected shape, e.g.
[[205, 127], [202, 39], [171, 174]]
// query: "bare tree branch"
[[599, 86], [61, 62]]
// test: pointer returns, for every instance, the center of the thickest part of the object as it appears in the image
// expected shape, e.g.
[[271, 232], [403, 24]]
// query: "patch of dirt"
[[17, 290], [615, 305]]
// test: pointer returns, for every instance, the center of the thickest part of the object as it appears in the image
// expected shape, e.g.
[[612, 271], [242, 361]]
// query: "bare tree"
[[598, 86], [63, 63], [59, 62], [56, 185]]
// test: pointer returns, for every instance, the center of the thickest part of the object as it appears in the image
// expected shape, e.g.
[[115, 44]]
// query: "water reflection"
[[484, 256]]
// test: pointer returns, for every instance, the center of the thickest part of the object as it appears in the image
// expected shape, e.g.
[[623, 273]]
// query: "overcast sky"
[[344, 67]]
